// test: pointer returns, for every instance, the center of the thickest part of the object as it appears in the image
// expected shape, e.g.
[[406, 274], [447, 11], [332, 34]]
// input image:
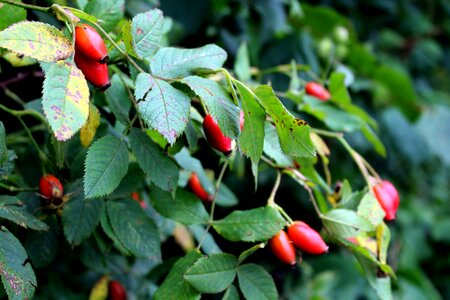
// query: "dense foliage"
[[152, 201]]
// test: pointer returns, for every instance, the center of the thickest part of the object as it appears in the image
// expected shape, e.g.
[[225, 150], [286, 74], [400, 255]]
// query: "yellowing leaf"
[[65, 99], [100, 289], [87, 132], [36, 40], [183, 237]]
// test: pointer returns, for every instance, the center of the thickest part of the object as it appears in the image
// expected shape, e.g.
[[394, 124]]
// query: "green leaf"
[[185, 208], [36, 40], [164, 109], [6, 156], [65, 99], [212, 274], [345, 223], [370, 209], [242, 63], [256, 283], [251, 139], [225, 197], [293, 133], [160, 169], [231, 294], [383, 239], [401, 90], [80, 218], [17, 275], [81, 14], [335, 119], [42, 246], [105, 166], [209, 245], [134, 228], [11, 14], [13, 209], [109, 12], [272, 147], [107, 228], [189, 163], [174, 286], [118, 99], [374, 140], [218, 103], [338, 89], [147, 31], [171, 63], [253, 225]]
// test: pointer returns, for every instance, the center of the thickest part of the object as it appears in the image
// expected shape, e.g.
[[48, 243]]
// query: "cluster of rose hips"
[[300, 235], [91, 56]]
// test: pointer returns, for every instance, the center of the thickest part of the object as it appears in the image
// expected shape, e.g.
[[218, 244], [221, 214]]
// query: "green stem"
[[27, 6], [284, 214], [301, 179], [213, 205], [271, 200], [42, 155], [17, 189], [25, 112], [118, 48], [358, 160], [230, 80]]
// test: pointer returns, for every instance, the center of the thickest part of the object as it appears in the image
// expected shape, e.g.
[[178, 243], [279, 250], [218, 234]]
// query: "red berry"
[[50, 187], [306, 239], [198, 190], [90, 44], [95, 72], [282, 247], [215, 136], [241, 119], [388, 198], [392, 191], [318, 91], [135, 196], [116, 291]]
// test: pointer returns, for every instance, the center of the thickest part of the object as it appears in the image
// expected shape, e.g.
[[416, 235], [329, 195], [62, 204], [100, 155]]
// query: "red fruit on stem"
[[135, 196], [198, 190], [318, 91], [282, 247], [306, 239], [90, 44], [50, 187], [241, 119], [392, 191], [116, 291], [215, 136], [388, 198], [94, 72]]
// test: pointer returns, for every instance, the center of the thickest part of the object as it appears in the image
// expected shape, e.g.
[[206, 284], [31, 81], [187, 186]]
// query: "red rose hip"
[[306, 239], [94, 72], [90, 44], [198, 190], [215, 136], [50, 187], [116, 291], [388, 198], [316, 90], [282, 247]]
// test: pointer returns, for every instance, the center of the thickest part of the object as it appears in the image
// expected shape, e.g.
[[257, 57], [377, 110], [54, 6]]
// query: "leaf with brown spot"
[[36, 40], [65, 99]]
